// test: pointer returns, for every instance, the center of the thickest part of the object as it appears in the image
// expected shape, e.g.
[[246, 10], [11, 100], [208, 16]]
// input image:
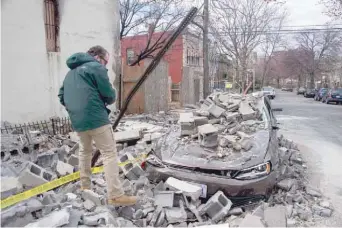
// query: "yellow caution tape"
[[9, 201]]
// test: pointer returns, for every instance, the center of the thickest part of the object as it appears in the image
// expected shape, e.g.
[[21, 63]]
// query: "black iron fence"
[[54, 126]]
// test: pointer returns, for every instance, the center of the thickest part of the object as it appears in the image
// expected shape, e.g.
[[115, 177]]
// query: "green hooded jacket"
[[85, 93]]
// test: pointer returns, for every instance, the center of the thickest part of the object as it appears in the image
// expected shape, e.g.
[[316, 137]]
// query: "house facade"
[[37, 38], [186, 52]]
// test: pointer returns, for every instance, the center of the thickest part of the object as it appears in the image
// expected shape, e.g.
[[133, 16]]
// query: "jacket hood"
[[79, 59]]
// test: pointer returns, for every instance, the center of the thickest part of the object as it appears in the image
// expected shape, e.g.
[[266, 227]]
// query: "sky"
[[305, 12]]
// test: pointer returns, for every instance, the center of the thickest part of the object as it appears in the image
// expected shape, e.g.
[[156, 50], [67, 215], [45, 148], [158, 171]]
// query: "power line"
[[282, 31]]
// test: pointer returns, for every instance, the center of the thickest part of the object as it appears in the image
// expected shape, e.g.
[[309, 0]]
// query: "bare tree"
[[334, 8], [153, 18], [271, 43], [318, 48], [240, 26]]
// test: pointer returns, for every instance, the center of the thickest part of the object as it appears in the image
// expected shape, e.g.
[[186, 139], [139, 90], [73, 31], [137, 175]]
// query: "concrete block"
[[187, 123], [325, 204], [34, 175], [246, 111], [275, 216], [63, 169], [100, 182], [188, 189], [164, 198], [208, 135], [133, 171], [98, 218], [234, 129], [252, 221], [125, 136], [47, 159], [175, 215], [286, 184], [49, 198], [9, 186], [54, 219], [89, 205], [127, 212], [217, 207], [231, 116], [200, 120], [321, 211], [235, 211], [92, 196], [73, 160], [312, 191]]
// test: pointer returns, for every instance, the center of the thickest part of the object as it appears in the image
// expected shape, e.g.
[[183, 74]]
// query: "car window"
[[267, 89], [337, 90]]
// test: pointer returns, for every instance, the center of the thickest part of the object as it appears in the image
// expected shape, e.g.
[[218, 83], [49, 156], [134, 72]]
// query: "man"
[[85, 93]]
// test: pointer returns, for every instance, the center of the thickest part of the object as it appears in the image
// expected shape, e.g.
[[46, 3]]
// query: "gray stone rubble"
[[224, 124]]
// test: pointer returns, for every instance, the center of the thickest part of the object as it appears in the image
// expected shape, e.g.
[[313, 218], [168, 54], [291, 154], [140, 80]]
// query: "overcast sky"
[[305, 12]]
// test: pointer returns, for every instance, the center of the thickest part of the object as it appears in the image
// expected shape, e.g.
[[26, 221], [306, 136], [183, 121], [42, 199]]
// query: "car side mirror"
[[277, 109]]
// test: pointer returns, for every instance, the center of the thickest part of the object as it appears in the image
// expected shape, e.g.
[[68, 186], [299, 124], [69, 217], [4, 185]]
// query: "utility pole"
[[205, 49]]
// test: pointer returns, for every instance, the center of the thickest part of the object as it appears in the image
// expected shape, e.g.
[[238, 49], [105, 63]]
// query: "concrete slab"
[[124, 136], [246, 111], [207, 129]]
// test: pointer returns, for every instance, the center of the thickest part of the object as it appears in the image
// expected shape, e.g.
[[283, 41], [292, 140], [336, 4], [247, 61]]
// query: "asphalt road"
[[317, 129]]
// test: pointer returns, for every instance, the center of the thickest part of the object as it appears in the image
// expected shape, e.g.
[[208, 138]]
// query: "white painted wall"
[[31, 77]]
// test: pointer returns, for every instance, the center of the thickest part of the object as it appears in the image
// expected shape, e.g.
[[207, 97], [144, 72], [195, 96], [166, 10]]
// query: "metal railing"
[[54, 126]]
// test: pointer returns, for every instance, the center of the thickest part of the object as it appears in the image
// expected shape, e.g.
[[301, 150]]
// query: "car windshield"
[[267, 89], [337, 91]]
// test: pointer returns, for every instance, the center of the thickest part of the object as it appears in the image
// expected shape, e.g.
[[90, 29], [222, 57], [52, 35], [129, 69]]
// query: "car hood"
[[171, 150]]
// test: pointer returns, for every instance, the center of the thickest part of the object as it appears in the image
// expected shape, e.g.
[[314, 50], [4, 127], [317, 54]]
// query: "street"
[[317, 129]]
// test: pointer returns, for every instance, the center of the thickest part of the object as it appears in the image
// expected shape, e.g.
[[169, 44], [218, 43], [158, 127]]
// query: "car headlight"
[[254, 172], [155, 161]]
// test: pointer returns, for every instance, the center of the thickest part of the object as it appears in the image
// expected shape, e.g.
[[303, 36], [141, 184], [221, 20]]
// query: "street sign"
[[229, 85]]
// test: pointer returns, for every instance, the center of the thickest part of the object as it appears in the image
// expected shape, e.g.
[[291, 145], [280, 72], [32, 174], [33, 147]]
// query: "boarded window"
[[51, 25]]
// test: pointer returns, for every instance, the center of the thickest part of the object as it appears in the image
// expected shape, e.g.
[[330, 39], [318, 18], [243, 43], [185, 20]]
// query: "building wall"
[[153, 95], [31, 77], [192, 86], [173, 56]]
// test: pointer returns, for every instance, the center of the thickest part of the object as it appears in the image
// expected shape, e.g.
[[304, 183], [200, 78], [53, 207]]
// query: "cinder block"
[[34, 175], [246, 111], [63, 169], [187, 123], [208, 135], [72, 160], [9, 186], [188, 189], [200, 120], [164, 198], [217, 206], [92, 196], [133, 171]]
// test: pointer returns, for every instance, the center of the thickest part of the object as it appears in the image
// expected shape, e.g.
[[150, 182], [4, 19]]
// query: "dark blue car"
[[321, 92], [333, 95]]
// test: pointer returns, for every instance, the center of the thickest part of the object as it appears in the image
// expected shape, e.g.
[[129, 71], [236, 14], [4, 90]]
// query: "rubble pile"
[[225, 127]]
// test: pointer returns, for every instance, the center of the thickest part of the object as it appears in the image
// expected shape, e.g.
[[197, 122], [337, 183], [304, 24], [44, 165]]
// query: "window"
[[51, 25], [130, 56]]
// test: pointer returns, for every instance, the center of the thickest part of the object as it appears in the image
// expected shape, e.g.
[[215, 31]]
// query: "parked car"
[[333, 95], [269, 92], [320, 93], [238, 176], [300, 90], [310, 93], [288, 89]]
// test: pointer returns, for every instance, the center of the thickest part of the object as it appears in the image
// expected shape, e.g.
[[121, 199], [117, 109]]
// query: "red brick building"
[[185, 51]]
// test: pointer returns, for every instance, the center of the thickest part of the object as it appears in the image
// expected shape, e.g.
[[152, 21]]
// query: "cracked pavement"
[[317, 129]]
